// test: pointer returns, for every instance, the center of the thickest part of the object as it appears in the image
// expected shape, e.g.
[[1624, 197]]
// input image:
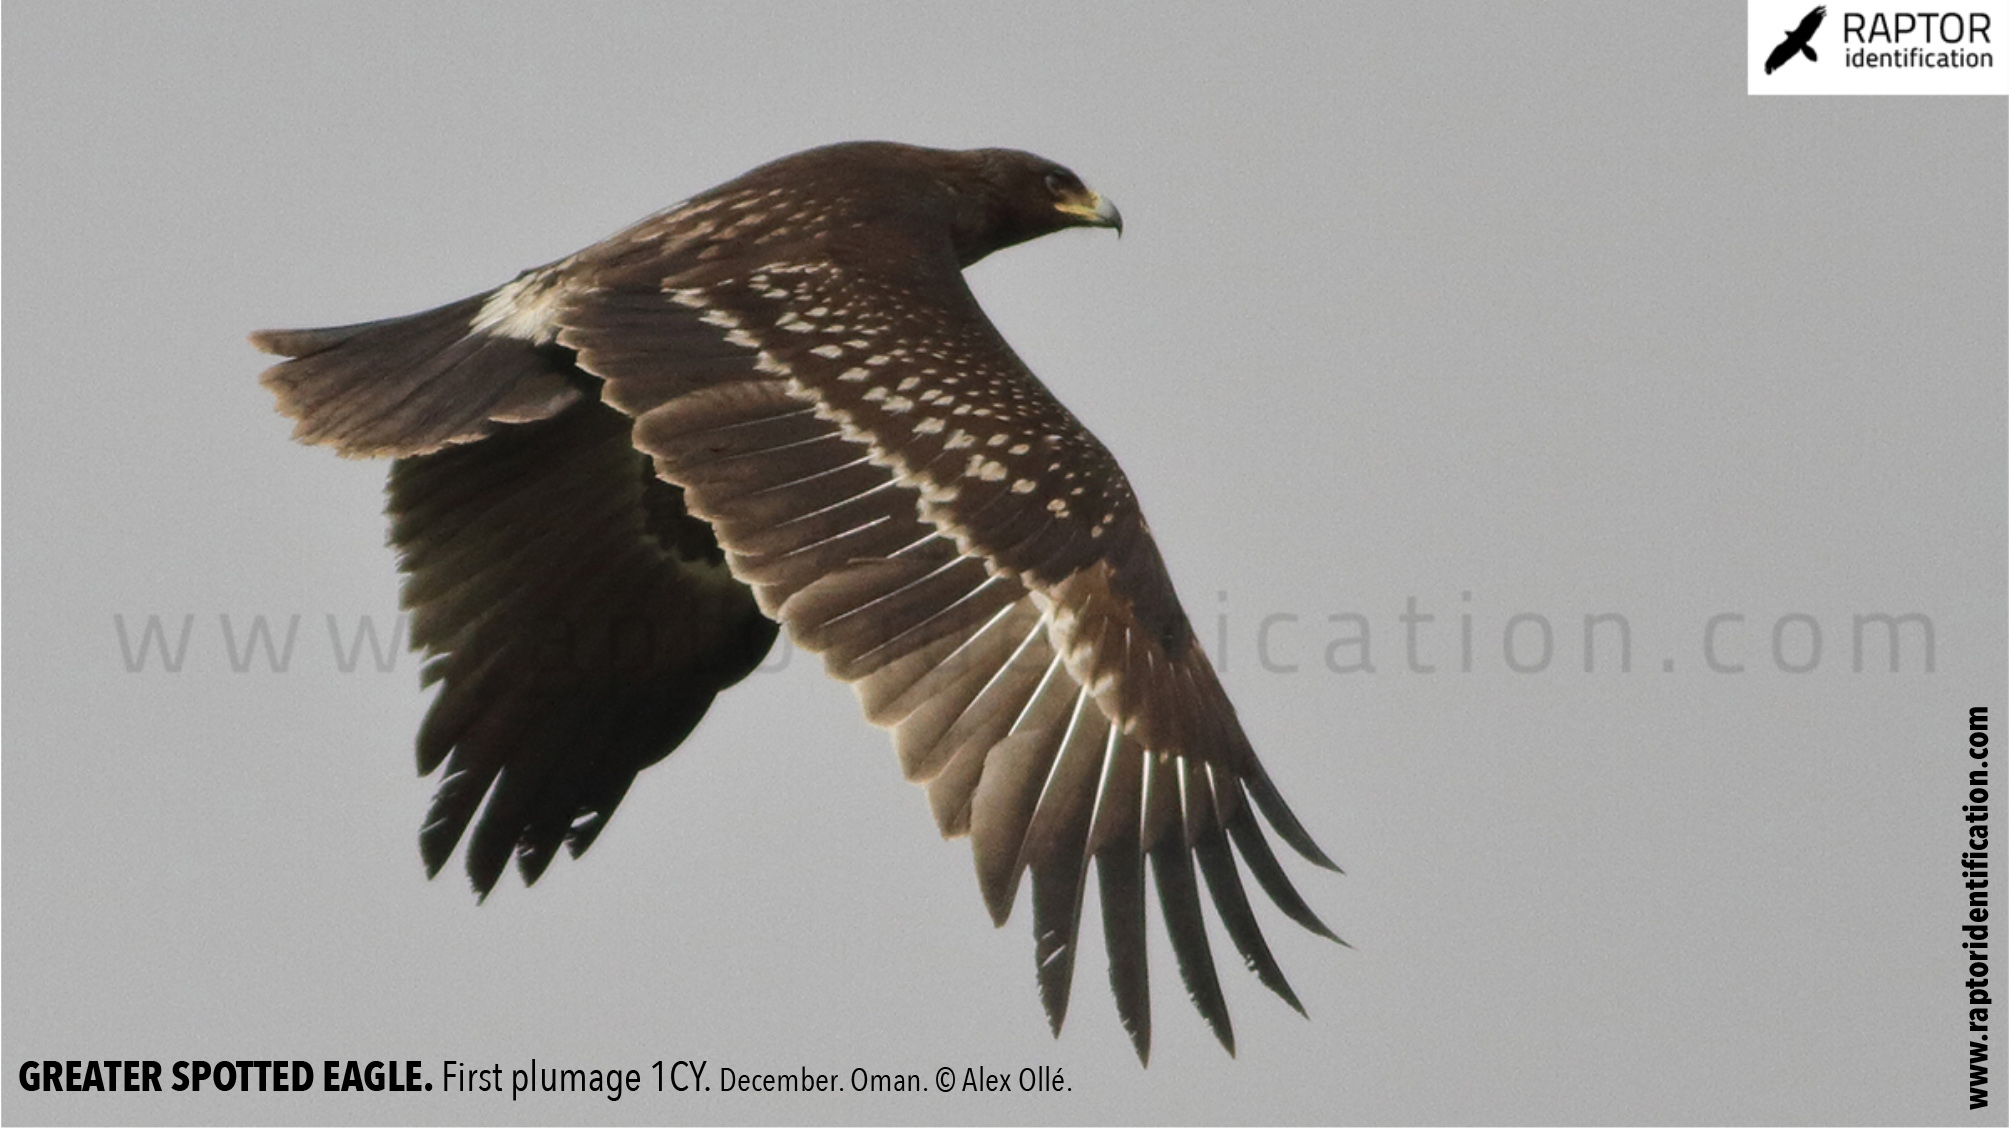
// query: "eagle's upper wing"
[[909, 501]]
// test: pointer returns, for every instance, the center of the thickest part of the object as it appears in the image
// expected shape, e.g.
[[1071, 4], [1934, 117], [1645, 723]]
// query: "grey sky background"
[[1526, 303]]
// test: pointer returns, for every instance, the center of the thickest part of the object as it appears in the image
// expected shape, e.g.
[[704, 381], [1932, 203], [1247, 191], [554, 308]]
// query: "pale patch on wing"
[[528, 308]]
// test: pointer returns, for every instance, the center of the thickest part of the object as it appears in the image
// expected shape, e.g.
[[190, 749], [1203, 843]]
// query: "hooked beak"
[[1095, 212]]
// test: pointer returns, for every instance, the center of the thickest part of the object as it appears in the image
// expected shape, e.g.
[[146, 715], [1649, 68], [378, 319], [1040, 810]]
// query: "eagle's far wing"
[[1780, 55], [580, 623], [908, 500], [579, 620]]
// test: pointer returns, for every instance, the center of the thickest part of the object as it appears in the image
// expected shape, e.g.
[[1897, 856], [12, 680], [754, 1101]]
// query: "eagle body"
[[778, 403]]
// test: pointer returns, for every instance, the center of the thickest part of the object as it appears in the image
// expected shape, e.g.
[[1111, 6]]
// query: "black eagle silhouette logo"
[[1799, 41]]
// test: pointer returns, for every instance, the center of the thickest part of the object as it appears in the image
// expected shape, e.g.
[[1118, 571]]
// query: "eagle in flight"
[[780, 402], [1799, 41]]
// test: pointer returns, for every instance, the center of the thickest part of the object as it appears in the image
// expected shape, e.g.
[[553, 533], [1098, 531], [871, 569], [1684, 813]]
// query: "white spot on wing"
[[525, 309]]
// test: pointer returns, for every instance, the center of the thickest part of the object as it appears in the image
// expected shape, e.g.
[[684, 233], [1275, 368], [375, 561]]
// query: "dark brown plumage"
[[780, 400]]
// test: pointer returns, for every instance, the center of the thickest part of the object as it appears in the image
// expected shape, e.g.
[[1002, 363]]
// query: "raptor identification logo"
[[1798, 47]]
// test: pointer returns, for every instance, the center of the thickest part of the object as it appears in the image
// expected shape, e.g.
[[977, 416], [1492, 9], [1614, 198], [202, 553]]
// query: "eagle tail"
[[412, 385], [1808, 49]]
